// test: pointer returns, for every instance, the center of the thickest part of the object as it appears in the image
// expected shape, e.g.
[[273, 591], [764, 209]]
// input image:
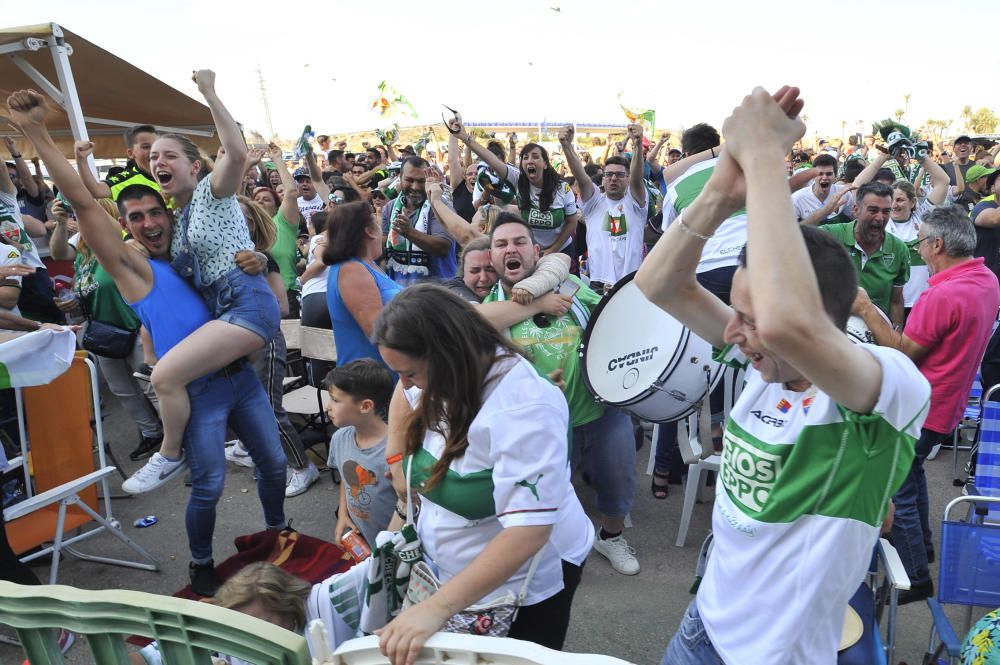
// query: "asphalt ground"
[[632, 618]]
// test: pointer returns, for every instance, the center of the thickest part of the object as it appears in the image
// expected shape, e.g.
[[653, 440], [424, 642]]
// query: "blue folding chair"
[[876, 596], [971, 421], [987, 477], [968, 572]]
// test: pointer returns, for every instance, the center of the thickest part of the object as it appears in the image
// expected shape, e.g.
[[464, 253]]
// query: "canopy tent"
[[93, 93]]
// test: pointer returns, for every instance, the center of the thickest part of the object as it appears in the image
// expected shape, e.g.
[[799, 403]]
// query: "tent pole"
[[60, 58]]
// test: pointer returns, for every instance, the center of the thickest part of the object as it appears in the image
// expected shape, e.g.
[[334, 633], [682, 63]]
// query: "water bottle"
[[65, 295]]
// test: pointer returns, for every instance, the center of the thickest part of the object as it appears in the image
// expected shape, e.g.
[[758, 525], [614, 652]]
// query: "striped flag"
[[644, 117], [36, 358]]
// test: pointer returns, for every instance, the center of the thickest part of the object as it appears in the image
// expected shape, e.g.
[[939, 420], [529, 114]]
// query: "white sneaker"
[[301, 480], [619, 553], [237, 454], [934, 452], [157, 471]]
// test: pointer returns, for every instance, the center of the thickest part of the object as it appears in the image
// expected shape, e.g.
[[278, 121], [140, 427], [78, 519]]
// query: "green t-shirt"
[[888, 267], [558, 347], [284, 249], [99, 295]]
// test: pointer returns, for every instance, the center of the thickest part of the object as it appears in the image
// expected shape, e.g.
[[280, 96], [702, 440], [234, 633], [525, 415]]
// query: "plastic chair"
[[56, 423], [454, 649], [697, 452], [187, 632], [968, 571], [987, 480]]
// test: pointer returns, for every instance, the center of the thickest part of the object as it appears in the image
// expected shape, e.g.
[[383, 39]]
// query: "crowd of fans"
[[459, 283]]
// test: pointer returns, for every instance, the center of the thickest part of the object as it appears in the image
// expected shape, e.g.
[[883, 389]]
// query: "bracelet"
[[402, 515], [392, 459], [691, 232], [713, 152]]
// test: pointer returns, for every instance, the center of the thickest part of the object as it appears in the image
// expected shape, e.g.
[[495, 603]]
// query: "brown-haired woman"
[[467, 408], [357, 289]]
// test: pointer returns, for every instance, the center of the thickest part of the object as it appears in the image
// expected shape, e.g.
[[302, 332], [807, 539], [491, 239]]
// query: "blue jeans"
[[606, 449], [668, 460], [245, 301], [911, 529], [690, 644], [237, 401]]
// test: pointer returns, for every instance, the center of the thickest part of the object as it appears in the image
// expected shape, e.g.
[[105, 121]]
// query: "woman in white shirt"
[[467, 409]]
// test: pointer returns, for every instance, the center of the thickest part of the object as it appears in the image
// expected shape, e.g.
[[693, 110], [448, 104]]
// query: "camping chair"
[[309, 401], [187, 632], [55, 419], [968, 571], [879, 592], [447, 648]]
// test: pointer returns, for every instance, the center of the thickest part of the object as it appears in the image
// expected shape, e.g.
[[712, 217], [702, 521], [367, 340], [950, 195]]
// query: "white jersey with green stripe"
[[907, 232], [515, 472], [804, 486], [723, 249]]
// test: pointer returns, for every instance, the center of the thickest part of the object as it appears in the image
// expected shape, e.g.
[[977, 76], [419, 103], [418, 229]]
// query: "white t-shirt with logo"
[[308, 208], [11, 256], [546, 225], [723, 248], [907, 232], [804, 486], [521, 411], [12, 227], [614, 235], [805, 202], [316, 284]]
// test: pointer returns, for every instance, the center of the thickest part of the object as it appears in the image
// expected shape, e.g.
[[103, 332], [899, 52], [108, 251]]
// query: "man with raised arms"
[[823, 432]]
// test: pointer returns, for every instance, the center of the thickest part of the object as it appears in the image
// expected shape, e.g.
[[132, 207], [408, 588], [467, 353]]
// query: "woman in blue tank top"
[[357, 289]]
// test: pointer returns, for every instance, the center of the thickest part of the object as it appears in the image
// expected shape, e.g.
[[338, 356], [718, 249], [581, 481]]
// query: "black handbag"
[[108, 340]]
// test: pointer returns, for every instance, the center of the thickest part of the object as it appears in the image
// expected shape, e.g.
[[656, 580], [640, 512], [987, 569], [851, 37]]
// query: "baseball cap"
[[964, 138], [977, 171], [301, 172]]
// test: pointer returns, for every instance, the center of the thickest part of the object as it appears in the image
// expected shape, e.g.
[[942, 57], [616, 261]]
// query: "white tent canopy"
[[93, 94]]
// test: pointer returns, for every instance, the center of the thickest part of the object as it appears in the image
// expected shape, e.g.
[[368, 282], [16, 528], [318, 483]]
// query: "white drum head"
[[630, 344], [858, 330]]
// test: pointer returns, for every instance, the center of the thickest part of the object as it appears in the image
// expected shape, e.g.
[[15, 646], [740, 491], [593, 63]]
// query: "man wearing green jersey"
[[824, 430]]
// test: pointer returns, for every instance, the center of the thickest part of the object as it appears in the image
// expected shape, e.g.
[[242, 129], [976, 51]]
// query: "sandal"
[[659, 491]]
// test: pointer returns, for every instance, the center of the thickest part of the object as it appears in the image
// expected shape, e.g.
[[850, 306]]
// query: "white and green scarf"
[[403, 257]]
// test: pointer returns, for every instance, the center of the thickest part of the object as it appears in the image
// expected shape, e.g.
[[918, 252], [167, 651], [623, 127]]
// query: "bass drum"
[[859, 332], [638, 358]]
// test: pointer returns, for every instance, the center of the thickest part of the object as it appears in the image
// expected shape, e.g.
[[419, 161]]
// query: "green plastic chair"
[[187, 631]]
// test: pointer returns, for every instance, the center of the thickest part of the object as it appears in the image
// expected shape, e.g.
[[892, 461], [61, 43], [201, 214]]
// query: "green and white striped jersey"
[[804, 486], [723, 249]]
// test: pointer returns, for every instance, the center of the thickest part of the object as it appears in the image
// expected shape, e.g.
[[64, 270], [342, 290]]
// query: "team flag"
[[389, 102], [36, 358], [644, 117]]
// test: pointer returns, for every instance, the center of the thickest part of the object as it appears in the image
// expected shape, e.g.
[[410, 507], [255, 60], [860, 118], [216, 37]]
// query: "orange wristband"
[[392, 459]]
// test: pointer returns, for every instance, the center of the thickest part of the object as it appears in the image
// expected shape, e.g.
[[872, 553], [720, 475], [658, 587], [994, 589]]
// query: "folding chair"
[[295, 370], [309, 401], [968, 571], [55, 422], [187, 632], [971, 422], [446, 648]]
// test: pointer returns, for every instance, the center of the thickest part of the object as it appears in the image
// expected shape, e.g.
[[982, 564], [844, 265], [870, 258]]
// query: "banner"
[[644, 117]]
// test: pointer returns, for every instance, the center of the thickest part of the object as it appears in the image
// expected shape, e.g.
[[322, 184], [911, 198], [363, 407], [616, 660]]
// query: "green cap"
[[977, 171]]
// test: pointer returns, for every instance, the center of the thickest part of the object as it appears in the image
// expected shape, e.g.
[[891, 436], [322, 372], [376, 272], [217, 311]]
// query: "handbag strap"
[[531, 573], [535, 560], [409, 492]]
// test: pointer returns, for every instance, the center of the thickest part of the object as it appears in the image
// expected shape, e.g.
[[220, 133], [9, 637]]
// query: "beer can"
[[143, 522], [355, 545]]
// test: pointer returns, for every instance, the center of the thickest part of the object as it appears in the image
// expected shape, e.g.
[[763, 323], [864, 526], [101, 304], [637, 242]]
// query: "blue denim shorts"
[[246, 301]]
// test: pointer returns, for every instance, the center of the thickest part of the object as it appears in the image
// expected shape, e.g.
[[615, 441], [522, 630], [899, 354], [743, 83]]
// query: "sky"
[[522, 60]]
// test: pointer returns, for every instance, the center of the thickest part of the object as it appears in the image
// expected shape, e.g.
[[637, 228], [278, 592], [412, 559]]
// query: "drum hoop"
[[594, 317]]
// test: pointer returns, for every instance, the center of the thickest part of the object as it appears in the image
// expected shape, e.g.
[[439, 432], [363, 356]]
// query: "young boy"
[[359, 403]]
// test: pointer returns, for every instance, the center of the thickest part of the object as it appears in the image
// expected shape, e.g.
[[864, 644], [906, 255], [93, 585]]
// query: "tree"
[[899, 113], [967, 116], [983, 121], [906, 103]]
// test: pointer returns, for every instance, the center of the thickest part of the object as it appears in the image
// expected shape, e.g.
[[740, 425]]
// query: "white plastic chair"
[[455, 649], [695, 443]]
